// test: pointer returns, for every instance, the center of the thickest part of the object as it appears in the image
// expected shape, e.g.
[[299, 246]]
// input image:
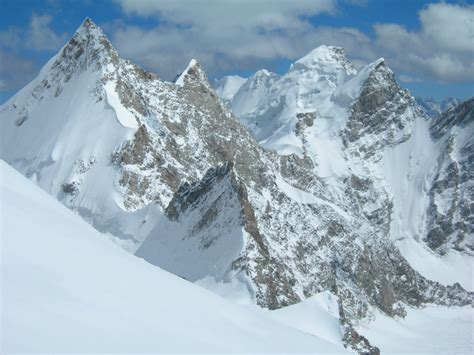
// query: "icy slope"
[[429, 179], [451, 217], [192, 191], [435, 108], [67, 289], [431, 330], [62, 129], [272, 106], [317, 315], [228, 86]]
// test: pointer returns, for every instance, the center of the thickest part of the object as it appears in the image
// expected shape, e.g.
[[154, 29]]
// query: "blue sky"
[[429, 45]]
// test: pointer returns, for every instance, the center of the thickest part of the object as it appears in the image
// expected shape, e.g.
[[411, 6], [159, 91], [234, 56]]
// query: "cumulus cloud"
[[223, 35], [37, 36], [230, 14], [40, 36], [244, 35], [10, 38], [449, 26], [15, 71], [442, 50], [168, 49]]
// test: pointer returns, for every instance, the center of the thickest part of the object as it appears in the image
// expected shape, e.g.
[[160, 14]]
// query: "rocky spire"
[[193, 77], [87, 46], [382, 112]]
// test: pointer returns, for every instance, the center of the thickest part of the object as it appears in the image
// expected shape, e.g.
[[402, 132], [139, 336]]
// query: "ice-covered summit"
[[325, 58], [228, 86]]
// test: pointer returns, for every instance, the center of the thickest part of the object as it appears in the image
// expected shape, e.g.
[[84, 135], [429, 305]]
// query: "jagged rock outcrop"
[[382, 113], [435, 108], [168, 163], [451, 217], [350, 137]]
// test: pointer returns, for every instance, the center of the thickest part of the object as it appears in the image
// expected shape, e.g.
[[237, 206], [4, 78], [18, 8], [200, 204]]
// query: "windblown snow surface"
[[228, 86], [65, 288], [428, 330]]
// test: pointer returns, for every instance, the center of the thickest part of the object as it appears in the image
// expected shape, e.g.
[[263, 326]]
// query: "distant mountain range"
[[435, 108]]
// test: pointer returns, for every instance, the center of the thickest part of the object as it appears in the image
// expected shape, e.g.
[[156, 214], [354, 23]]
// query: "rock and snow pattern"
[[68, 289], [435, 108], [326, 180]]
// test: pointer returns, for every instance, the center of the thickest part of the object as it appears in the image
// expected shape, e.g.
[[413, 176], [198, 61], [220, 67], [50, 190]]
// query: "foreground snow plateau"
[[65, 288]]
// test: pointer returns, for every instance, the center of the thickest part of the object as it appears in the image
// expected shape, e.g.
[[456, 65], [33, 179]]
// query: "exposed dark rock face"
[[451, 209], [352, 339], [460, 115], [236, 208], [382, 114], [435, 108]]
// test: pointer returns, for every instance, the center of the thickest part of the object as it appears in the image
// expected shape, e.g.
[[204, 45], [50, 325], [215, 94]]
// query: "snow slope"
[[71, 120], [67, 289], [318, 315], [228, 86], [431, 330], [408, 171]]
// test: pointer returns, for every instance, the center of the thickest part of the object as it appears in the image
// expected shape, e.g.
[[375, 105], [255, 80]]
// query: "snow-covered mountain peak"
[[261, 77], [325, 59], [193, 77], [228, 86], [89, 28], [323, 53], [145, 159], [381, 112], [377, 71], [263, 73], [88, 46], [435, 108], [370, 75]]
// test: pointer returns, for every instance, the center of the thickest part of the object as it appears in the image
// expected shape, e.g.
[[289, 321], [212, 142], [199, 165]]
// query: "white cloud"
[[229, 35], [442, 50], [236, 35], [37, 36], [14, 71], [223, 35], [230, 14], [40, 36], [449, 26], [10, 38], [408, 79]]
